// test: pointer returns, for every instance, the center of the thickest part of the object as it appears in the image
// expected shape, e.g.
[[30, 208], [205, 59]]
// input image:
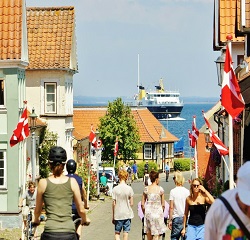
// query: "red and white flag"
[[22, 130], [194, 135], [116, 148], [222, 149], [92, 136], [231, 98]]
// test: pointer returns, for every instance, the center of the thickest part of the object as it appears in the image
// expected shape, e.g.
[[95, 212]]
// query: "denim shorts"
[[195, 232], [122, 225]]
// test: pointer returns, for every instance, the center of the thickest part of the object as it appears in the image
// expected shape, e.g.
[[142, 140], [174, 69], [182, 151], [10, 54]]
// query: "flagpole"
[[195, 153], [89, 165], [225, 164], [230, 135], [114, 161], [231, 163]]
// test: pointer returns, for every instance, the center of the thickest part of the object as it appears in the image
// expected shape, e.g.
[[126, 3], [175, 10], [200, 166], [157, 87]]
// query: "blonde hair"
[[191, 185], [123, 175], [178, 178]]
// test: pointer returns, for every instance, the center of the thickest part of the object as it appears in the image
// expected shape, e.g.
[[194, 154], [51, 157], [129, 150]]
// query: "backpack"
[[146, 180], [129, 170]]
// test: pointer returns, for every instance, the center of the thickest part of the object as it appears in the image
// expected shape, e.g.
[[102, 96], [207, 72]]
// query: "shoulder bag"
[[235, 216]]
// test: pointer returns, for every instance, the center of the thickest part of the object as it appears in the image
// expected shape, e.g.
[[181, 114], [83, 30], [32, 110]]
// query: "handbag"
[[235, 216]]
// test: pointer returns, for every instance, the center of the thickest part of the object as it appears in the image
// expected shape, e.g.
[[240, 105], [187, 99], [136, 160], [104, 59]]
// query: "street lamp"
[[207, 138], [33, 118], [220, 62]]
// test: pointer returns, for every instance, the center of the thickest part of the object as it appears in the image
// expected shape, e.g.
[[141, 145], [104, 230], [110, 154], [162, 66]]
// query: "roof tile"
[[50, 33], [227, 21], [11, 29]]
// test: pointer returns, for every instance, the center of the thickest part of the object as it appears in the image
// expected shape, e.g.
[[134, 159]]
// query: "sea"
[[179, 127]]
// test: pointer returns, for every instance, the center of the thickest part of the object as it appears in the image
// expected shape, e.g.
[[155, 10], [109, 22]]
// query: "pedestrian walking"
[[146, 167], [220, 223], [153, 205], [135, 170], [122, 212], [129, 171], [195, 208], [146, 179], [177, 199], [167, 171]]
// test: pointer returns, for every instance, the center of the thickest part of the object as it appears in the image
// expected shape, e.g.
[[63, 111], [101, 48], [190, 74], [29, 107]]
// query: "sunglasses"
[[195, 186]]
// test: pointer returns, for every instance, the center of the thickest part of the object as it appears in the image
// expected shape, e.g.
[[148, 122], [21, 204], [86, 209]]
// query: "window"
[[50, 97], [240, 59], [2, 169], [1, 92], [148, 151]]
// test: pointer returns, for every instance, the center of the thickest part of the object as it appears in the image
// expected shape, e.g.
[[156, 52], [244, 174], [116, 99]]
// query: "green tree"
[[47, 140], [119, 122]]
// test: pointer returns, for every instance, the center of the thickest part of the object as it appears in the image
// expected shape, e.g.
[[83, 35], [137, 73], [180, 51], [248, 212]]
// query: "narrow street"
[[101, 227]]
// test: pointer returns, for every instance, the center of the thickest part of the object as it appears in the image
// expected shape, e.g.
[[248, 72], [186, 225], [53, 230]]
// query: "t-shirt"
[[134, 167], [121, 195], [104, 181], [219, 223], [30, 198], [167, 168], [178, 195]]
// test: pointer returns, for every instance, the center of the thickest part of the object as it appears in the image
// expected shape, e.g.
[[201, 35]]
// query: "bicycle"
[[30, 227], [77, 222]]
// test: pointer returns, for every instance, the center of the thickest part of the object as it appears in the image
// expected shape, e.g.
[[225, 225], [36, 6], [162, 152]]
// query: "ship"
[[163, 104]]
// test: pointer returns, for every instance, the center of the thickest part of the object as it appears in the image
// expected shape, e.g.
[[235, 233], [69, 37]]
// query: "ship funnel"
[[142, 93]]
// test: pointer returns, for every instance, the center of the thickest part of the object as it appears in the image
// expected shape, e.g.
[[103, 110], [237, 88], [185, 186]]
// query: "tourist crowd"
[[191, 214]]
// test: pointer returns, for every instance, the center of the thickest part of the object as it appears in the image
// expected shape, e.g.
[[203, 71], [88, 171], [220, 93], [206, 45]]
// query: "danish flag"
[[222, 149], [231, 98], [193, 136], [22, 130], [92, 136]]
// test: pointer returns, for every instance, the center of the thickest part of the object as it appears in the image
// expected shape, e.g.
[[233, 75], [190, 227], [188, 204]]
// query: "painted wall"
[[61, 122], [14, 79]]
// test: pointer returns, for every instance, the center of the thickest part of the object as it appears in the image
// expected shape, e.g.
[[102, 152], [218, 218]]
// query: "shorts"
[[122, 225], [58, 236], [195, 232]]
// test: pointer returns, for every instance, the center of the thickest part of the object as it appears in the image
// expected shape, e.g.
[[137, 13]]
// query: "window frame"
[[148, 147], [45, 97], [4, 185]]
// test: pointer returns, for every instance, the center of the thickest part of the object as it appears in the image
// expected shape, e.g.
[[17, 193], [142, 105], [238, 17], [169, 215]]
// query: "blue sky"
[[174, 39]]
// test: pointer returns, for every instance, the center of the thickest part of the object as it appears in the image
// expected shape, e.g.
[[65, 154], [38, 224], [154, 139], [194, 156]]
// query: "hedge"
[[182, 164]]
